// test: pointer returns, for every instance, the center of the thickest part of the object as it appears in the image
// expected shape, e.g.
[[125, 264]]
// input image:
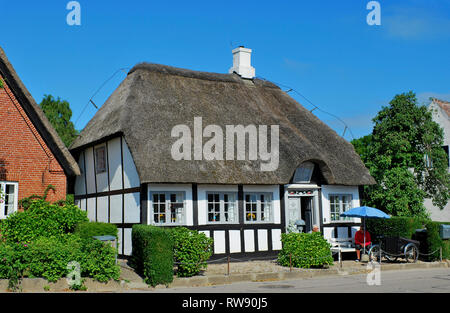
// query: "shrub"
[[433, 242], [152, 255], [99, 260], [393, 227], [430, 241], [91, 229], [305, 250], [13, 263], [42, 219], [191, 251], [48, 256]]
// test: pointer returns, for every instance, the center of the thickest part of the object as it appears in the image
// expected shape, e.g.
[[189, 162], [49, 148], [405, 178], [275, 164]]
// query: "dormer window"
[[303, 173]]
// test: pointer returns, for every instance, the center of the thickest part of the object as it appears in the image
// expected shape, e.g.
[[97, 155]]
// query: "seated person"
[[359, 241]]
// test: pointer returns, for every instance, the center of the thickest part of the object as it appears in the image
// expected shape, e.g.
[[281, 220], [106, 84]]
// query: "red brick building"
[[32, 155]]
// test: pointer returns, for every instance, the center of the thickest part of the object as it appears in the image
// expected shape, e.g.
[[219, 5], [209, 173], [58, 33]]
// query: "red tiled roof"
[[445, 105]]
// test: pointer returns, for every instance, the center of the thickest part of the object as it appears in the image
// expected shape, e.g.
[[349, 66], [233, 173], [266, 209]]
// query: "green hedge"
[[152, 254], [41, 219], [430, 241], [40, 242], [48, 257], [191, 251], [393, 227], [305, 250], [91, 229]]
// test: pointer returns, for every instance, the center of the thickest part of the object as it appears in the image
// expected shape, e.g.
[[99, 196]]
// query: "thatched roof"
[[155, 98], [37, 117]]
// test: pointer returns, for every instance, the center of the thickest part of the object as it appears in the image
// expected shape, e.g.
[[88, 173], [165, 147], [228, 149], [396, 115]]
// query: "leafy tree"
[[59, 114], [404, 154]]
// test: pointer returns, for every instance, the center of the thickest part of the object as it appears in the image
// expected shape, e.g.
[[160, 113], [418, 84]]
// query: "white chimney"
[[242, 63]]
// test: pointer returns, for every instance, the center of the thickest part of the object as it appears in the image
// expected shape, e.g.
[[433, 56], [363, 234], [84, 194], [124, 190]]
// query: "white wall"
[[328, 190], [121, 174]]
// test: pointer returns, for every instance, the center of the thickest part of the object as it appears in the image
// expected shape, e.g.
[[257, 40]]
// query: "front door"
[[300, 208]]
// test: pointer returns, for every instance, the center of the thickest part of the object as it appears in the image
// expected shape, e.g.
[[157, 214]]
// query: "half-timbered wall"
[[110, 191]]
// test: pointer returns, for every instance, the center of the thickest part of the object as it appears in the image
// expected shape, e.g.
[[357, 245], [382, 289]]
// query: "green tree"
[[59, 114], [404, 154]]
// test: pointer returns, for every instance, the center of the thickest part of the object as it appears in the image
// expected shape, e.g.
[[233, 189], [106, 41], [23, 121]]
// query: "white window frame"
[[341, 206], [167, 208], [234, 219], [15, 201], [256, 219]]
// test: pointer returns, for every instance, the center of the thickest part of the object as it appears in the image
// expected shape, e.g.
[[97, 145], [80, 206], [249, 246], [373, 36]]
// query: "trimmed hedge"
[[91, 229], [152, 254], [393, 227], [305, 250], [191, 251], [430, 242]]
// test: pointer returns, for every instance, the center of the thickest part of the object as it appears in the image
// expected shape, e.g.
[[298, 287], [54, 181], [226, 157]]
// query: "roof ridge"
[[212, 76]]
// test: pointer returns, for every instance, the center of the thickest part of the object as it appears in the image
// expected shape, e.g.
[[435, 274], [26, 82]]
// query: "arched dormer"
[[313, 171]]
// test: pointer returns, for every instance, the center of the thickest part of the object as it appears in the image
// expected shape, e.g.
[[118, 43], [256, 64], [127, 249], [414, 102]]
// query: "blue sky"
[[323, 49]]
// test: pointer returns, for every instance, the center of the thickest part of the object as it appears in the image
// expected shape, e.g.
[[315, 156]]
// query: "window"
[[8, 198], [222, 207], [100, 159], [258, 207], [304, 172], [168, 207], [338, 205]]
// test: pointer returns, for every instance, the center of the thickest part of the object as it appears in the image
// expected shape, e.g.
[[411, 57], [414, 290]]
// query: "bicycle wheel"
[[411, 253], [374, 253]]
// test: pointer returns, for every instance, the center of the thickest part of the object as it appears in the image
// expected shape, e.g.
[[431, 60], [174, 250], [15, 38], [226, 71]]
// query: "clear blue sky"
[[324, 49]]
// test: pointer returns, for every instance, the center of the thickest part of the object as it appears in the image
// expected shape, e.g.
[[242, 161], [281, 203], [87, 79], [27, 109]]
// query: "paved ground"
[[436, 280], [267, 276]]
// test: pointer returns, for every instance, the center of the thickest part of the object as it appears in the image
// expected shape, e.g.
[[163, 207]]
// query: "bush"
[[41, 219], [99, 260], [91, 229], [191, 250], [48, 257], [430, 241], [152, 255], [305, 250], [393, 227], [40, 242]]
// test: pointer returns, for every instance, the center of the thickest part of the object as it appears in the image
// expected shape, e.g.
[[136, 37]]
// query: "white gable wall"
[[112, 196]]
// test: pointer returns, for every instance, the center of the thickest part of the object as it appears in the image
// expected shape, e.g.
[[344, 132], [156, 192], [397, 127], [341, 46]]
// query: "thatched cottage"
[[162, 151]]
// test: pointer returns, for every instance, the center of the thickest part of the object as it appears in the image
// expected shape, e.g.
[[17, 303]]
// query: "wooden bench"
[[342, 245]]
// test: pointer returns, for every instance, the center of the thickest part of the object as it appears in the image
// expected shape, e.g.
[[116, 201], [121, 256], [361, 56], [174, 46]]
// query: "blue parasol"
[[365, 212]]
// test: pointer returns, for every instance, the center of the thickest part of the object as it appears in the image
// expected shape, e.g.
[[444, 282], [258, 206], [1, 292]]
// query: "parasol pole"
[[364, 219]]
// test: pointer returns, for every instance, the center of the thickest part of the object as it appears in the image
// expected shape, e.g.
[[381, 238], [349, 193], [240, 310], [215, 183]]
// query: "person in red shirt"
[[359, 241]]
